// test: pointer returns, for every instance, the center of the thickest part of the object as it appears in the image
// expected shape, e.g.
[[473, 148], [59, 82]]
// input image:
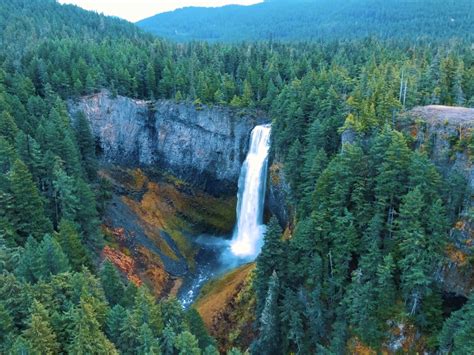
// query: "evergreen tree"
[[27, 213], [116, 318], [148, 343], [8, 127], [86, 143], [187, 344], [6, 329], [21, 347], [168, 341], [112, 283], [198, 329], [269, 341], [87, 337], [39, 332], [70, 242], [269, 260], [456, 335], [51, 259], [415, 279]]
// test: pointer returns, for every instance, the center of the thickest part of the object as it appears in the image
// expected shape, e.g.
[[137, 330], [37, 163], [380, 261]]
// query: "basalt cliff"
[[199, 144]]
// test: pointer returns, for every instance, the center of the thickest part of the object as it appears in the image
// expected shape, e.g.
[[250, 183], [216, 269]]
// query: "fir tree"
[[28, 212], [112, 283], [269, 260], [269, 341], [187, 344], [39, 332], [87, 337], [70, 241], [86, 143]]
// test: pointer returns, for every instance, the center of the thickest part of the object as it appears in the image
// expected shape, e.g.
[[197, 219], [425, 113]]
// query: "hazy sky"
[[134, 10]]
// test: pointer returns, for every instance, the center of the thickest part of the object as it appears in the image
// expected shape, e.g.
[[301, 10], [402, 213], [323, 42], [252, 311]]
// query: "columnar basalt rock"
[[202, 145]]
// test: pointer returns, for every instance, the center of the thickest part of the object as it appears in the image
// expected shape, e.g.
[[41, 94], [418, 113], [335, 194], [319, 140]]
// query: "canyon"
[[174, 169]]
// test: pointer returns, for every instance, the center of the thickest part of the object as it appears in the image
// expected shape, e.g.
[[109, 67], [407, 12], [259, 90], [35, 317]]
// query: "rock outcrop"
[[278, 192], [446, 134], [199, 144]]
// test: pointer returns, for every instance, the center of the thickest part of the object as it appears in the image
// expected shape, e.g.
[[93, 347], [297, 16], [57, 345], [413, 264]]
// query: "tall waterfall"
[[248, 233]]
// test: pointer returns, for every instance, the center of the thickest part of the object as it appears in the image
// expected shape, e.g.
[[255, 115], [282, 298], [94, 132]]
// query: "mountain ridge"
[[315, 20]]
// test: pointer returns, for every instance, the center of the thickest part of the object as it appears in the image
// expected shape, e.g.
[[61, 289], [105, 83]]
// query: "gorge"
[[181, 151]]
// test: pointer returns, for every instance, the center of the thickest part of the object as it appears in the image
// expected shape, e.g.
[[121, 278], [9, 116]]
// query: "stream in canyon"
[[217, 255]]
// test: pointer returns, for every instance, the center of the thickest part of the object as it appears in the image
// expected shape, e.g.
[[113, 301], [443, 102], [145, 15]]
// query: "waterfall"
[[248, 232]]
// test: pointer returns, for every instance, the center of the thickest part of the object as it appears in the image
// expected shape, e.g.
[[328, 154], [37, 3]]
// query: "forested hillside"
[[297, 20], [352, 265]]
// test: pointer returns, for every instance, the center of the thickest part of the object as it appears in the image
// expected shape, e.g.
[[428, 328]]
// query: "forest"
[[317, 20], [371, 219]]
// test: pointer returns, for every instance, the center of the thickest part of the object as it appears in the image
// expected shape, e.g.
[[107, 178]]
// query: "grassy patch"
[[227, 306], [216, 294]]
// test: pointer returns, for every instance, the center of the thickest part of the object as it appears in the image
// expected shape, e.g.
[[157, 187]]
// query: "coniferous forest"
[[370, 221]]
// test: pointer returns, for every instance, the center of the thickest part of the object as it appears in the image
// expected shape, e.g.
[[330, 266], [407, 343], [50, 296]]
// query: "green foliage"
[[70, 242], [298, 20], [26, 211], [269, 260], [456, 335], [87, 335], [186, 344], [39, 332], [372, 216], [269, 339]]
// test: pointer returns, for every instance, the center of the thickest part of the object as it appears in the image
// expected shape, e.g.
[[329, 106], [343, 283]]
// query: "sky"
[[134, 10]]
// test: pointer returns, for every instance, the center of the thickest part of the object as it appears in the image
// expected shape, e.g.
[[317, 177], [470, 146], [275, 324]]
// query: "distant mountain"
[[317, 19]]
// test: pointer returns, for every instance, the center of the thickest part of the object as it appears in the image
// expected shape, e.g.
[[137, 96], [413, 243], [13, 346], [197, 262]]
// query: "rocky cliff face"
[[199, 144], [446, 133]]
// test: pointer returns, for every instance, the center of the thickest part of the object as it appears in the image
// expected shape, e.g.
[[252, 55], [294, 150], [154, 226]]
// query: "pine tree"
[[28, 213], [316, 315], [30, 153], [168, 341], [210, 350], [386, 289], [187, 344], [8, 127], [87, 337], [456, 335], [39, 332], [28, 264], [458, 92], [147, 311], [21, 346], [247, 95], [150, 81], [148, 343], [198, 329], [51, 258], [86, 216], [70, 241], [65, 196], [112, 283], [6, 329], [269, 260], [269, 341], [116, 318], [128, 342], [415, 279], [7, 158], [294, 161], [361, 308], [86, 143]]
